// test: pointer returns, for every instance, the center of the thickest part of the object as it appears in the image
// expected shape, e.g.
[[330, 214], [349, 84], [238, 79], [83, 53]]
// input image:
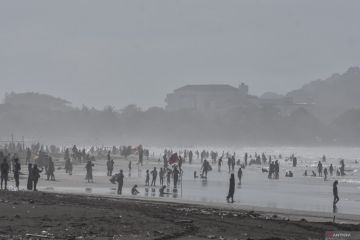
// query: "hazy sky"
[[119, 52]]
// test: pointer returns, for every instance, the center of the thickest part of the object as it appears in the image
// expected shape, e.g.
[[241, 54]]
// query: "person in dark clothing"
[[35, 175], [240, 175], [30, 181], [134, 190], [154, 176], [141, 154], [129, 166], [335, 193], [294, 161], [50, 169], [342, 167], [161, 175], [320, 169], [28, 155], [325, 174], [17, 168], [190, 157], [162, 191], [331, 170], [229, 164], [176, 173], [219, 164], [89, 175], [4, 167], [147, 179], [110, 166], [168, 177], [277, 169], [120, 180], [231, 189]]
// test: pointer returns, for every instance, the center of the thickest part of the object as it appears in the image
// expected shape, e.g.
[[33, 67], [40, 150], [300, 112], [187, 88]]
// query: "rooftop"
[[208, 88]]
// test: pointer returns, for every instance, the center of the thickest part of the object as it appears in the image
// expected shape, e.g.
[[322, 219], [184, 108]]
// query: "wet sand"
[[298, 193], [69, 216]]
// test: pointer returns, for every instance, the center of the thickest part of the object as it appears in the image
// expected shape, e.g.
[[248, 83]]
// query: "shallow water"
[[298, 193]]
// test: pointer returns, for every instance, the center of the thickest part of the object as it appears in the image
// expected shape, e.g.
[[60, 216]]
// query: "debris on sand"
[[184, 221]]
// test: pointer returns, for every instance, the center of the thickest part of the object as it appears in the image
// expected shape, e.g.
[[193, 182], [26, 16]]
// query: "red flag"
[[173, 159]]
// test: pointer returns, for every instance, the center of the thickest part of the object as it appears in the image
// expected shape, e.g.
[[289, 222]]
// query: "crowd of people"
[[168, 176]]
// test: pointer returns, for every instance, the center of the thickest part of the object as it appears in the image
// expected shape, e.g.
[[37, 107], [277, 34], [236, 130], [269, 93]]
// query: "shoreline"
[[288, 213]]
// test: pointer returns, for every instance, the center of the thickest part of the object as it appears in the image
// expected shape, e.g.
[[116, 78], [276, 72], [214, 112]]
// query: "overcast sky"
[[101, 53]]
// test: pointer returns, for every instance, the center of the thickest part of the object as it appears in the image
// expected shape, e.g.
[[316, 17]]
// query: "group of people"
[[5, 169], [33, 176], [171, 171]]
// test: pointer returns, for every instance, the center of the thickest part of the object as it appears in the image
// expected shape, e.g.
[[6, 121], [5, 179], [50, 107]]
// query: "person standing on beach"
[[219, 164], [231, 189], [335, 193], [89, 175], [120, 180], [331, 170], [277, 169], [50, 169], [147, 179], [176, 173], [154, 176], [28, 155], [35, 175], [320, 168], [30, 181], [17, 169], [240, 175], [110, 166], [129, 166], [168, 177], [233, 161], [325, 174], [229, 163], [4, 167], [141, 154], [108, 156], [161, 175], [190, 157]]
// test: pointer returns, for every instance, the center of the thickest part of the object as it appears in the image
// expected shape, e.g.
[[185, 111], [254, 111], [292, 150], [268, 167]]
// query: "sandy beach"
[[36, 215]]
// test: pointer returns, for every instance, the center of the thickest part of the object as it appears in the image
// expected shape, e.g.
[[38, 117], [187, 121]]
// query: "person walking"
[[120, 180], [240, 175], [147, 178], [17, 168], [89, 170], [231, 189], [154, 176], [30, 181], [4, 168], [35, 172], [336, 194]]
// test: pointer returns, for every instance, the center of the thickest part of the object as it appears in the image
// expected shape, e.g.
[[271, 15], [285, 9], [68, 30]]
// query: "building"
[[206, 98]]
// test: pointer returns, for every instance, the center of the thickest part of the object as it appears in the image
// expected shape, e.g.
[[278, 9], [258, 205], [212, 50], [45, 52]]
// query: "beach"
[[36, 215]]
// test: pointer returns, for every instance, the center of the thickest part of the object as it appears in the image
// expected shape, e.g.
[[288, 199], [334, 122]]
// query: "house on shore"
[[206, 98]]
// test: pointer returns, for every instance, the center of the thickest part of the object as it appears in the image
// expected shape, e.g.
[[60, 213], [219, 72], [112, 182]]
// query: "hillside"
[[334, 95]]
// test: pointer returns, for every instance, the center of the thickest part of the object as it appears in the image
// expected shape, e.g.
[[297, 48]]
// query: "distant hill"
[[347, 126], [321, 112], [37, 100], [340, 92]]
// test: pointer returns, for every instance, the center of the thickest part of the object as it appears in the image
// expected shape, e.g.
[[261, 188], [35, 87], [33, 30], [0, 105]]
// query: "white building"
[[206, 98]]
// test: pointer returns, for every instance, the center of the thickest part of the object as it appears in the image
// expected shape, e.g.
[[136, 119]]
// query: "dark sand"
[[65, 216]]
